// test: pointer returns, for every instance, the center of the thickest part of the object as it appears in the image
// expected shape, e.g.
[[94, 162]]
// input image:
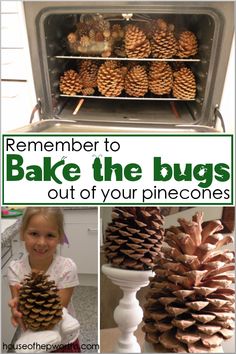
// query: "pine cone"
[[187, 44], [85, 41], [184, 86], [110, 79], [103, 24], [136, 81], [88, 71], [39, 302], [160, 78], [72, 38], [99, 37], [136, 43], [88, 91], [70, 83], [117, 32], [164, 44], [82, 29], [133, 237], [190, 303], [92, 35]]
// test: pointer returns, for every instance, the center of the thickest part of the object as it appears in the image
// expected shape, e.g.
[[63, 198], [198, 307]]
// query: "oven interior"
[[55, 28]]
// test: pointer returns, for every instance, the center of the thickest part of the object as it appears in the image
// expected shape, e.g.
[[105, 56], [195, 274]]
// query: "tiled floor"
[[85, 304]]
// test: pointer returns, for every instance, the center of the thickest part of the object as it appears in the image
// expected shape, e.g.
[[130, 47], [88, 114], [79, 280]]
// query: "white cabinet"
[[8, 330], [17, 87], [81, 229], [17, 252], [15, 109]]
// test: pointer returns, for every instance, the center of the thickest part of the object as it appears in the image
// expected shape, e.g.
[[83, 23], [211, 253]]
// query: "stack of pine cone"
[[160, 42], [190, 303], [112, 78], [94, 36]]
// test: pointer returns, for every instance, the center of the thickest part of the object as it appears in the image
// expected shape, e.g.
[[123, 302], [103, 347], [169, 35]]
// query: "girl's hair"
[[54, 214]]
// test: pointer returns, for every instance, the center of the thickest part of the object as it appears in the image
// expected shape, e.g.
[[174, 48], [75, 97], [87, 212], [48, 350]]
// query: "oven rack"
[[130, 98], [191, 60]]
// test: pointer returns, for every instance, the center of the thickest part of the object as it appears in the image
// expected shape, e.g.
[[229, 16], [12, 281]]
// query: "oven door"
[[70, 126]]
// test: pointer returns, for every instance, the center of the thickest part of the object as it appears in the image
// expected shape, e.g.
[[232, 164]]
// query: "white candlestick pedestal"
[[128, 314]]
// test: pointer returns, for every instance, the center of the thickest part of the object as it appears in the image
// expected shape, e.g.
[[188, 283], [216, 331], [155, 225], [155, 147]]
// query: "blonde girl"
[[42, 231]]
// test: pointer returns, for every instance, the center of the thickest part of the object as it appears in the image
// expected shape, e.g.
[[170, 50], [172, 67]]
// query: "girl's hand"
[[16, 318]]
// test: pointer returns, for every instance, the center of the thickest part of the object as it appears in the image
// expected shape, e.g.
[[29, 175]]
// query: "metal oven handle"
[[219, 116], [37, 107]]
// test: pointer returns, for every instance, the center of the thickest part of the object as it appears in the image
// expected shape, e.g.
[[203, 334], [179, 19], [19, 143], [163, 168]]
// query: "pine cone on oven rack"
[[190, 303], [133, 237], [70, 83], [88, 71], [187, 44], [85, 41], [163, 43], [117, 32], [184, 85], [110, 79], [160, 78], [136, 43], [136, 81], [82, 29], [39, 302], [88, 91]]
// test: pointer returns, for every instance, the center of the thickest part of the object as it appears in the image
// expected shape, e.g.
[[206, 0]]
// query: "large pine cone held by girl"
[[190, 303], [39, 302], [133, 237]]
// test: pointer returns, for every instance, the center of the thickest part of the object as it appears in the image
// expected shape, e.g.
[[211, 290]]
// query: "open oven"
[[62, 35]]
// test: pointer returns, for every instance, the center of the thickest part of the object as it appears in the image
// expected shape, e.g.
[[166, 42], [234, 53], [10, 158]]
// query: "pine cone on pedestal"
[[110, 79], [136, 43], [133, 237], [39, 302], [187, 44], [70, 83], [160, 78], [184, 85], [164, 44], [88, 71], [190, 304], [136, 81]]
